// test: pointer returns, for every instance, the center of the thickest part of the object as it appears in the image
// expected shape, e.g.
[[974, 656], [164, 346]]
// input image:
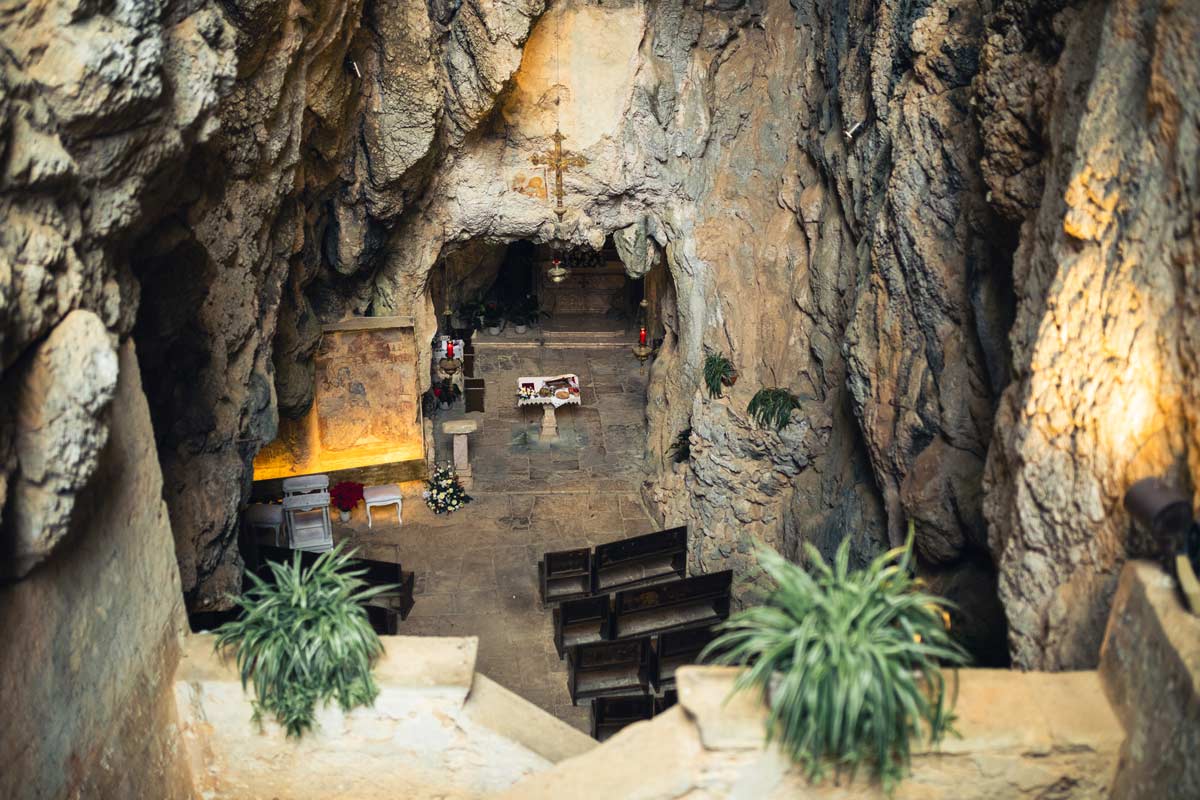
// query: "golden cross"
[[559, 159]]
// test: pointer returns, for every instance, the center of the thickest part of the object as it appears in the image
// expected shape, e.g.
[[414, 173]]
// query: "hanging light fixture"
[[642, 349], [557, 272], [558, 159]]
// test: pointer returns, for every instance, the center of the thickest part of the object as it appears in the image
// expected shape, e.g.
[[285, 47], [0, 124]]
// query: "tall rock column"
[[1105, 339]]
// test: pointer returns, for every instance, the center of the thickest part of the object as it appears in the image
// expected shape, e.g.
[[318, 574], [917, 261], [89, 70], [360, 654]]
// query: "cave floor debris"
[[476, 568]]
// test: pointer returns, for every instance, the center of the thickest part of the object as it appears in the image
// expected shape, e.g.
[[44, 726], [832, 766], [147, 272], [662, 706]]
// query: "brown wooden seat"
[[609, 669], [674, 650], [696, 602], [611, 714], [473, 391], [565, 575], [641, 560], [582, 621]]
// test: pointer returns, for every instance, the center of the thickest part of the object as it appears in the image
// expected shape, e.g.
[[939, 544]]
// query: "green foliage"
[[304, 639], [681, 448], [849, 662], [773, 407], [717, 370]]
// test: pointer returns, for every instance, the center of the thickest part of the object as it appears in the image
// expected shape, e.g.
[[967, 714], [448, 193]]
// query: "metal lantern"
[[557, 272], [642, 349]]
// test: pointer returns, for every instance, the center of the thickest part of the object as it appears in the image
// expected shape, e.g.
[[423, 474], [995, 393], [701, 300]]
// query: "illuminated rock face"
[[366, 410], [1093, 154], [856, 217]]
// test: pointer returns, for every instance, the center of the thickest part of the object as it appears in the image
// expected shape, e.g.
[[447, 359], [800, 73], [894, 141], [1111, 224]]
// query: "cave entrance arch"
[[478, 283]]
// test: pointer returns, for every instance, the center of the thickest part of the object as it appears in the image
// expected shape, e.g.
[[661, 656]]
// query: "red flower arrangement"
[[346, 495]]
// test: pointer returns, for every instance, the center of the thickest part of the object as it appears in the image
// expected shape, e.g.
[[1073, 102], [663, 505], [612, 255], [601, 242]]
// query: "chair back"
[[303, 484]]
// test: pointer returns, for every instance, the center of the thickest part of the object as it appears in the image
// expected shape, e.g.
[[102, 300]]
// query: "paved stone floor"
[[476, 569]]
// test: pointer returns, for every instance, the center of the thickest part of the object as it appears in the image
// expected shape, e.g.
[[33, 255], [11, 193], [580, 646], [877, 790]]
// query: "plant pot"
[[520, 328], [493, 330], [729, 380], [343, 515]]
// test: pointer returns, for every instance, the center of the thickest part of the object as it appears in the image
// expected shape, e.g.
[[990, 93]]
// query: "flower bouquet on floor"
[[445, 493]]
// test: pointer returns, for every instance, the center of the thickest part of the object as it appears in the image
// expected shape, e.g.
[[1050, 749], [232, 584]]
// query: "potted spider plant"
[[718, 373], [303, 639], [849, 663], [773, 407]]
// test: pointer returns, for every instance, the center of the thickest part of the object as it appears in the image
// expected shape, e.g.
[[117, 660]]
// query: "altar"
[[551, 393]]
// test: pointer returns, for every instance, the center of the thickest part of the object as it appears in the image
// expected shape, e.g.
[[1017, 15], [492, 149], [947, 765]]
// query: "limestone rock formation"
[[61, 427], [850, 200], [1091, 141]]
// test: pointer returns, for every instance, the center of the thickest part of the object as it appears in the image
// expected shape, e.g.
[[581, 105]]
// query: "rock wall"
[[437, 729], [1021, 736], [91, 635], [851, 200], [1150, 665], [1090, 118]]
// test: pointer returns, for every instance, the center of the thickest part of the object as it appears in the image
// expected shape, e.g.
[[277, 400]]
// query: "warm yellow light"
[[298, 451]]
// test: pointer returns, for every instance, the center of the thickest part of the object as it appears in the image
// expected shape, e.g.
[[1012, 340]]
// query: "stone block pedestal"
[[459, 429]]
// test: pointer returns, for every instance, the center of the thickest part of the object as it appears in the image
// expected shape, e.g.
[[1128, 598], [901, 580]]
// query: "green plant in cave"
[[773, 407], [718, 372], [849, 663], [681, 449], [304, 639]]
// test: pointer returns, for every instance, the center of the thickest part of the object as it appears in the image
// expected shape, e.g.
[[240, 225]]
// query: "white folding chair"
[[308, 522]]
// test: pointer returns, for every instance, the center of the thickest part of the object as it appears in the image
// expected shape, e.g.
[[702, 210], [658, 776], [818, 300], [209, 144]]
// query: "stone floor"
[[476, 569]]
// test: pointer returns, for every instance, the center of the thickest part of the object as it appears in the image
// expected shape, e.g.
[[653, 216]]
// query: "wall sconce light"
[[1166, 514], [642, 349]]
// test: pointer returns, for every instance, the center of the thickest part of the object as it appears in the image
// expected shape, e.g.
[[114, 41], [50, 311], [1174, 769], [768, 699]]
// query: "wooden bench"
[[582, 621], [609, 669], [611, 714], [565, 575], [378, 573], [696, 602], [642, 560], [674, 650]]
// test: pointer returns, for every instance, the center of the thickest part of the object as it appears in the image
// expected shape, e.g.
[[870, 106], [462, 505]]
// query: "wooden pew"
[[582, 621], [674, 650], [652, 558], [611, 714], [609, 669], [565, 575], [696, 602]]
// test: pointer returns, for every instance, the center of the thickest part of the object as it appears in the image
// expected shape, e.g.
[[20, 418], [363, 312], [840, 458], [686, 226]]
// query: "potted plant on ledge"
[[346, 495], [849, 663], [304, 639], [493, 318]]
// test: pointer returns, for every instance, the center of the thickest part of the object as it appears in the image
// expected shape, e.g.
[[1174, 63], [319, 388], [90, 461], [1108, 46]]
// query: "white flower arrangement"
[[445, 493]]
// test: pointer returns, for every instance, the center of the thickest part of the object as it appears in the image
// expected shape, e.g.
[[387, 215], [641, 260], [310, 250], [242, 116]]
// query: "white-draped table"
[[563, 391]]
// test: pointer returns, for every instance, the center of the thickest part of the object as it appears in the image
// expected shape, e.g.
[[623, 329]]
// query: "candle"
[[450, 349], [642, 337]]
